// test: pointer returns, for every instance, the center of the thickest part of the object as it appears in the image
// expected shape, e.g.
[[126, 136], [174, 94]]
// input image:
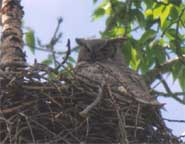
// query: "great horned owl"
[[100, 57], [102, 60]]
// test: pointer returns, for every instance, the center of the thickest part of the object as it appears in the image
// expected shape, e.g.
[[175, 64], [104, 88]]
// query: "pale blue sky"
[[41, 15]]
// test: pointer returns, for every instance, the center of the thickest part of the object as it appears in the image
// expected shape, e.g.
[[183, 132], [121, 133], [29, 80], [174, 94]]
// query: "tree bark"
[[12, 55]]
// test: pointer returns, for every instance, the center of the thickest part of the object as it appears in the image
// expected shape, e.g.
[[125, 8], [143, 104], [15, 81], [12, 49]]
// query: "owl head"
[[100, 50]]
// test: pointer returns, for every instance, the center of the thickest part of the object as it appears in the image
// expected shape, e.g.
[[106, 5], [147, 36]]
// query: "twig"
[[67, 55], [173, 120], [43, 127], [121, 118], [29, 126], [87, 129], [55, 38], [68, 51], [56, 52], [13, 109], [137, 117], [175, 95], [85, 112], [167, 88]]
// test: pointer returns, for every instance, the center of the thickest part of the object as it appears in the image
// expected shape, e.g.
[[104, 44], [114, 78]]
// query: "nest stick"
[[85, 112]]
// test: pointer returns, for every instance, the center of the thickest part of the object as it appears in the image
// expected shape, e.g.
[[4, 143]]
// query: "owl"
[[103, 59]]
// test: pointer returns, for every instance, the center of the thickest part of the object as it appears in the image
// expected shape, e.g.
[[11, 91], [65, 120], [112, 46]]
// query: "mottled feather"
[[99, 59]]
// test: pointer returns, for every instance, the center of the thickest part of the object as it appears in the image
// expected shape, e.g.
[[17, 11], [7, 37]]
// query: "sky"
[[41, 16]]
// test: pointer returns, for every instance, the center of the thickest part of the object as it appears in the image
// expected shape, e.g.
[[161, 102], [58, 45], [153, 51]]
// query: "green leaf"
[[176, 71], [174, 13], [171, 33], [48, 61], [148, 12], [71, 59], [103, 8], [30, 40], [160, 55], [144, 66], [182, 22], [95, 1], [99, 12], [137, 3], [157, 11], [134, 63], [52, 76], [181, 78], [165, 13], [165, 1], [127, 50], [148, 3], [118, 31], [139, 17], [148, 35], [176, 2]]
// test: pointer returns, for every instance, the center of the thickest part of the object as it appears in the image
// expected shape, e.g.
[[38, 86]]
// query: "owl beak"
[[93, 56]]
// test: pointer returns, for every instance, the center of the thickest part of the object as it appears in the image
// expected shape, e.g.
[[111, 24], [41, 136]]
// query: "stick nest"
[[71, 111]]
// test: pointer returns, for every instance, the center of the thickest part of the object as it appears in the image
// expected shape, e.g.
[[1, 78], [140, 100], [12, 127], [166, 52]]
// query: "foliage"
[[61, 66], [30, 40], [155, 39], [155, 30]]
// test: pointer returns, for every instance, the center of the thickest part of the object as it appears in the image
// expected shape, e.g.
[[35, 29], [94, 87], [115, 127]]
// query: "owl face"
[[97, 50]]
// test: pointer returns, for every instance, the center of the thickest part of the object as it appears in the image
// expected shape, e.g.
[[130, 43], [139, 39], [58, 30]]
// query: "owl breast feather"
[[117, 77]]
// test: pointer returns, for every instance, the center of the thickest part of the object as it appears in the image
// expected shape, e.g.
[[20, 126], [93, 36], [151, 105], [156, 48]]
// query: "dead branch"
[[51, 111], [16, 108], [86, 111], [68, 52], [121, 118]]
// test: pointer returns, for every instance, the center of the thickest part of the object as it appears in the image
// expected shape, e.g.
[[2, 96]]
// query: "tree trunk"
[[12, 55]]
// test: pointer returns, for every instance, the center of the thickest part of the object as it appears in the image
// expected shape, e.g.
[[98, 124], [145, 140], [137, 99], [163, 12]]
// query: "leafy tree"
[[50, 48], [158, 49], [155, 30]]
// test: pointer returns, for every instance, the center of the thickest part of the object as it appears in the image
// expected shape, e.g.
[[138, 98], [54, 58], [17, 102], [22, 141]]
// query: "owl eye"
[[109, 51], [88, 49]]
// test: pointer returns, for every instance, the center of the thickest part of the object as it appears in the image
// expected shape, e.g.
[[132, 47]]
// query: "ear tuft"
[[80, 41]]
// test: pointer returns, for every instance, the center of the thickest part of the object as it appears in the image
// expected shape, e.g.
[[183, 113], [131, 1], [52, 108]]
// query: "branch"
[[165, 67], [68, 52], [151, 75], [172, 120], [178, 51], [167, 88], [121, 118], [175, 95], [66, 57], [55, 38], [16, 108], [43, 49], [85, 112]]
